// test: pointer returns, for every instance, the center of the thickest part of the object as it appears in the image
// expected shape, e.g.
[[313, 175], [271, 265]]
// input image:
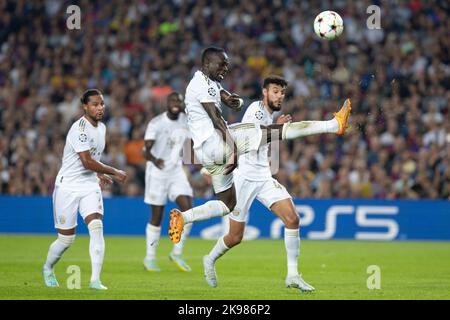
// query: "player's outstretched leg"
[[337, 125], [342, 117], [208, 210], [57, 248], [176, 255]]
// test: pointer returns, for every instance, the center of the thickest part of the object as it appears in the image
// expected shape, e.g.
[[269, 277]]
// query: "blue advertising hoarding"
[[320, 219]]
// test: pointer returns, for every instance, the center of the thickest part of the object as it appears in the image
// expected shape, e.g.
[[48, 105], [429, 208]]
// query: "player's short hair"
[[208, 52], [174, 93], [89, 93], [273, 79]]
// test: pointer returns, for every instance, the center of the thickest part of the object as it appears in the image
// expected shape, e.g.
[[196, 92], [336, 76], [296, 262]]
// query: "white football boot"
[[298, 282], [209, 271]]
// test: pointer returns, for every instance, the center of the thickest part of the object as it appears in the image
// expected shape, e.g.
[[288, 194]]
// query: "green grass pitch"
[[253, 270]]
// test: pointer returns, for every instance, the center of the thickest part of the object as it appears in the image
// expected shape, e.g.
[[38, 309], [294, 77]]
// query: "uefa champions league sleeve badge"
[[212, 92], [82, 137]]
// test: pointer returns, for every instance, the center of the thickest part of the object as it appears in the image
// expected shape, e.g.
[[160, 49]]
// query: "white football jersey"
[[255, 165], [201, 89], [169, 136], [82, 136]]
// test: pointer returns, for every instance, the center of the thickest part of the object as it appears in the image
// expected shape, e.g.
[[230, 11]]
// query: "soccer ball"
[[328, 25]]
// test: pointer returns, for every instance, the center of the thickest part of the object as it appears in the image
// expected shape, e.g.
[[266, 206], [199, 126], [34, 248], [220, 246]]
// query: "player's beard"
[[96, 117], [273, 106]]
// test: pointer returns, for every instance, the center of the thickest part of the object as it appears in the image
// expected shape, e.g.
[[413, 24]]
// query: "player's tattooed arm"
[[232, 101], [159, 163], [97, 166]]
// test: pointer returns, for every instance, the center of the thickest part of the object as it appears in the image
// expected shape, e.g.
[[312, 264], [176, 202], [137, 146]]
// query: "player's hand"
[[232, 162], [159, 163], [284, 118], [120, 176], [105, 180], [233, 101]]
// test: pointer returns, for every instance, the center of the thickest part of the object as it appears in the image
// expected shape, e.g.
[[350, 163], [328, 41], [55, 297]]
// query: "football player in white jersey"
[[78, 188], [165, 178], [253, 180], [217, 146]]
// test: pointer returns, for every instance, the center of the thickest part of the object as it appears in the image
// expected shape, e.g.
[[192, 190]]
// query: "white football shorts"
[[267, 192], [67, 203], [214, 152], [159, 188]]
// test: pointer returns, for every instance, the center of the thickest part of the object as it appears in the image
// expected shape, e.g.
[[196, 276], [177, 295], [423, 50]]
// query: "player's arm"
[[221, 126], [105, 180], [231, 100], [159, 163], [96, 166]]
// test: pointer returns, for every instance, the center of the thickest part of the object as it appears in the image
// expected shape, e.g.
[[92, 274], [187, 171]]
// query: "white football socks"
[[178, 248], [57, 248], [219, 250], [295, 130], [208, 210], [292, 244], [153, 234], [96, 247]]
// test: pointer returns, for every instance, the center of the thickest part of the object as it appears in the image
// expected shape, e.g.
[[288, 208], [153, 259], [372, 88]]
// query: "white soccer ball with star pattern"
[[328, 25]]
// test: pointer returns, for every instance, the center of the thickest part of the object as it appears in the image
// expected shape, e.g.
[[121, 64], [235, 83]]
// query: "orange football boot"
[[176, 225], [342, 117]]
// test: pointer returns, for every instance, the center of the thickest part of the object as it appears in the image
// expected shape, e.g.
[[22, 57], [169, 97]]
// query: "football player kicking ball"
[[165, 178], [253, 180], [217, 146], [77, 189]]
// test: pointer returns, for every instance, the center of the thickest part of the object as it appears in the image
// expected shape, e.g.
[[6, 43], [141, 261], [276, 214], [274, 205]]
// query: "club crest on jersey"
[[212, 92], [259, 115], [83, 137]]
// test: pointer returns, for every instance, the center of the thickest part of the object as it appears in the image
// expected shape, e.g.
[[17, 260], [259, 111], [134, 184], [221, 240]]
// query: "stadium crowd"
[[137, 52]]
